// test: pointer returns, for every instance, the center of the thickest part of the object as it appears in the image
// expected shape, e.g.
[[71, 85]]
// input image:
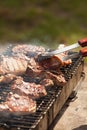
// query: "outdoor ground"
[[74, 115]]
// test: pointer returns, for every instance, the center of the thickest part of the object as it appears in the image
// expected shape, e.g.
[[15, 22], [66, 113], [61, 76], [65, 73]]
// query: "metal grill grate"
[[30, 121]]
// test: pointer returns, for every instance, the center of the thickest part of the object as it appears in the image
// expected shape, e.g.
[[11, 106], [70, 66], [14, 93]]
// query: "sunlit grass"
[[48, 21]]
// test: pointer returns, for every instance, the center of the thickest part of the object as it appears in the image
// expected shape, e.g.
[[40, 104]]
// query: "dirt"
[[74, 113]]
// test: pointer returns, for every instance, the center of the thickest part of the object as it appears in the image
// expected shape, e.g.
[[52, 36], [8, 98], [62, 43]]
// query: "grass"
[[50, 22]]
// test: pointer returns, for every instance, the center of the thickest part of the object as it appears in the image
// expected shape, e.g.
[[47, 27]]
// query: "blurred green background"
[[44, 21]]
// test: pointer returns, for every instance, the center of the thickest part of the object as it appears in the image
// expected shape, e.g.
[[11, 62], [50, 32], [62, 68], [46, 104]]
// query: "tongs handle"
[[83, 42], [83, 52]]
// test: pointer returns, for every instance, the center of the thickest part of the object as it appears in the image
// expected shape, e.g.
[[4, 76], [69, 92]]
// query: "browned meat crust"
[[45, 76], [32, 90], [58, 79], [13, 65], [7, 78], [47, 82], [27, 51], [55, 62], [18, 105]]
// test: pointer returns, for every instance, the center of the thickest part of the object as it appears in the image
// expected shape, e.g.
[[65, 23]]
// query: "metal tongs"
[[83, 51]]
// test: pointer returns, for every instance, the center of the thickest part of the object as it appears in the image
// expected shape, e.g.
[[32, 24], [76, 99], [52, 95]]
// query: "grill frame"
[[48, 107]]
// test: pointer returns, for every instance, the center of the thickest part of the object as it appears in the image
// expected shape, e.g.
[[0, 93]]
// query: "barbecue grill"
[[47, 107]]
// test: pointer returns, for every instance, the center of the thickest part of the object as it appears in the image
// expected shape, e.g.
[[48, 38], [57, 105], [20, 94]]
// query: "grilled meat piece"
[[7, 78], [47, 82], [59, 58], [45, 76], [3, 107], [13, 65], [32, 90], [58, 79], [27, 51], [18, 105], [33, 71], [55, 62]]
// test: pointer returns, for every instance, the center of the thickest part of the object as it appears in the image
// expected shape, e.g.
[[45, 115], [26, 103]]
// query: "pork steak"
[[32, 90], [18, 105]]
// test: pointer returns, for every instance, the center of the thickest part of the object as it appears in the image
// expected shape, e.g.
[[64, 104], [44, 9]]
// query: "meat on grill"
[[60, 57], [33, 71], [27, 51], [47, 82], [36, 71], [55, 62], [33, 51], [45, 76], [18, 104], [58, 79], [8, 78], [36, 76], [13, 65], [32, 90]]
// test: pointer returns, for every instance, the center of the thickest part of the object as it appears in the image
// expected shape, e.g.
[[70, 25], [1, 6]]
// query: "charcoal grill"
[[47, 107]]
